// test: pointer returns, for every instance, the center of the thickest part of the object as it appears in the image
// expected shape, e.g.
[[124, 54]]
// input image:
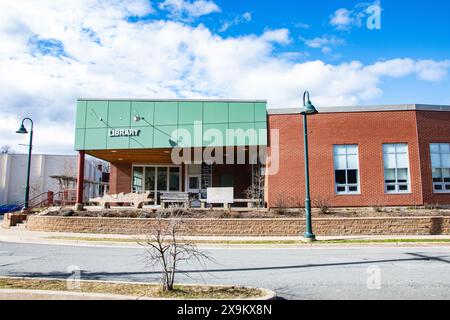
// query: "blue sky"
[[54, 52], [413, 29]]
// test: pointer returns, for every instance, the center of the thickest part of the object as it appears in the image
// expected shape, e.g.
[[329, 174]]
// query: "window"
[[150, 179], [156, 178], [396, 167], [174, 178], [346, 167], [194, 183], [137, 179], [161, 181], [440, 165]]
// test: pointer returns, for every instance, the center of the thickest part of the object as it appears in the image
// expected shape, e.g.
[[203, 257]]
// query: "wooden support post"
[[80, 181]]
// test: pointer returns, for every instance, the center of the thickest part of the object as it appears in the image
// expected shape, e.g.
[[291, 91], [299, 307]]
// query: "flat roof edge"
[[398, 107], [172, 100]]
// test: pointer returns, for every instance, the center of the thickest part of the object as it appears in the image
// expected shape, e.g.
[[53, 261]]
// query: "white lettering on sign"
[[124, 132]]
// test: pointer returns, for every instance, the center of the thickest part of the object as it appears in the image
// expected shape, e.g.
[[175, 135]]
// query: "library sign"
[[124, 132]]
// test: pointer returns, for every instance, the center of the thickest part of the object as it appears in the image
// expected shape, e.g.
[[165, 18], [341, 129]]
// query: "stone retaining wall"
[[249, 227]]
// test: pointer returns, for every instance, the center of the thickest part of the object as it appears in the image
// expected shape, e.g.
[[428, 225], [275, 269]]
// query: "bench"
[[136, 199], [174, 197], [250, 202]]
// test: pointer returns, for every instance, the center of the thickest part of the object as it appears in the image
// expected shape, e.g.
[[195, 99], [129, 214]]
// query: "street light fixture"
[[308, 109], [23, 130]]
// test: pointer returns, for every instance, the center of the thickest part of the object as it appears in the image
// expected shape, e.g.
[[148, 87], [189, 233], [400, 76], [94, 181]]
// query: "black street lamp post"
[[23, 130], [308, 109]]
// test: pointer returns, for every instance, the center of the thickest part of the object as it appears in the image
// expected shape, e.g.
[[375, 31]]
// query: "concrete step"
[[20, 226]]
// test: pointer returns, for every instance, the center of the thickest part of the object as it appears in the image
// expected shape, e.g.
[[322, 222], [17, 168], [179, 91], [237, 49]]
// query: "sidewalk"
[[95, 240]]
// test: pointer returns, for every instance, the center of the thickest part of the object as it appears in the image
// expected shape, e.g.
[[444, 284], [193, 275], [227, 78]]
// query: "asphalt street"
[[344, 272]]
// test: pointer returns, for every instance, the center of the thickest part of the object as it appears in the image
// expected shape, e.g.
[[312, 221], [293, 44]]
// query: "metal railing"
[[61, 198]]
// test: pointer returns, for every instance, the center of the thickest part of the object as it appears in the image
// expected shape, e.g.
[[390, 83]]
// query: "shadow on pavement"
[[102, 275]]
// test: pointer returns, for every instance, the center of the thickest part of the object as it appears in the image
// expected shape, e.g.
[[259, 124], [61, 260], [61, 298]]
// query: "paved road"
[[294, 273]]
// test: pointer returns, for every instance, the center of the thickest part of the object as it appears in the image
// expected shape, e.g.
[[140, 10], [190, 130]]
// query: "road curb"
[[268, 294]]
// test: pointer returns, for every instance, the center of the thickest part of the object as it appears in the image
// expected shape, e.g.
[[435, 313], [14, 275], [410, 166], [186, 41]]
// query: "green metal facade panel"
[[189, 112], [260, 112], [79, 139], [96, 114], [166, 113], [214, 135], [81, 115], [164, 124], [241, 112], [165, 136], [117, 142], [119, 114], [215, 112], [95, 139], [144, 140], [145, 110]]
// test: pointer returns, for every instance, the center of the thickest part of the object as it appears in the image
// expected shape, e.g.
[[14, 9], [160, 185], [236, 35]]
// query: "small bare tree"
[[6, 149], [166, 247], [256, 189], [323, 204]]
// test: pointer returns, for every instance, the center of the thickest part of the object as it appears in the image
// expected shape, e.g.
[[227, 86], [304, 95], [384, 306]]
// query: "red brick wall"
[[120, 178], [369, 130], [432, 127]]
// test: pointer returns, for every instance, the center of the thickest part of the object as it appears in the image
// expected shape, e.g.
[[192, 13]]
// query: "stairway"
[[19, 226]]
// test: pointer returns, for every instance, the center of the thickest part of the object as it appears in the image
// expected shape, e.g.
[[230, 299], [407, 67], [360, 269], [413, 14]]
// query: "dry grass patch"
[[136, 290]]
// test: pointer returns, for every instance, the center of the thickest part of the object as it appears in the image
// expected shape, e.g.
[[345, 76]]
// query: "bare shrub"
[[281, 204], [256, 189], [323, 204], [299, 204], [165, 247], [378, 206], [146, 214], [431, 206], [173, 210]]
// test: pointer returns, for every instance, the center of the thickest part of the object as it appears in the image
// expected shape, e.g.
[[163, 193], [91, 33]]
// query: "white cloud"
[[341, 18], [345, 19], [245, 17], [185, 9], [428, 70], [97, 53], [325, 43], [302, 25], [320, 42], [280, 36]]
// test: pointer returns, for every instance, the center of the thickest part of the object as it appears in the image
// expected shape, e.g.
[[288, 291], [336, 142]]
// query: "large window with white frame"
[[440, 165], [156, 178], [396, 167], [346, 169]]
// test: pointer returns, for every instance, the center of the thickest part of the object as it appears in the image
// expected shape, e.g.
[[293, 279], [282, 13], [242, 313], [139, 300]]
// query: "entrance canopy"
[[121, 124]]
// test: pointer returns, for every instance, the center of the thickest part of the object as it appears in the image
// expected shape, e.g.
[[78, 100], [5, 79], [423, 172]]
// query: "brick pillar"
[[80, 181]]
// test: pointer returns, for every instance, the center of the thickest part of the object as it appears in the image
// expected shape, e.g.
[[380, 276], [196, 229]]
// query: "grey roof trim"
[[172, 100], [395, 107]]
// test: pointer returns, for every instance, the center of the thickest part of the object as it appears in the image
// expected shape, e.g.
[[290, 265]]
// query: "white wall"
[[13, 170]]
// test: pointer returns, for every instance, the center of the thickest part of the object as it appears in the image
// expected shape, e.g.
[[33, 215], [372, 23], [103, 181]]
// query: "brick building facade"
[[367, 128], [395, 155]]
